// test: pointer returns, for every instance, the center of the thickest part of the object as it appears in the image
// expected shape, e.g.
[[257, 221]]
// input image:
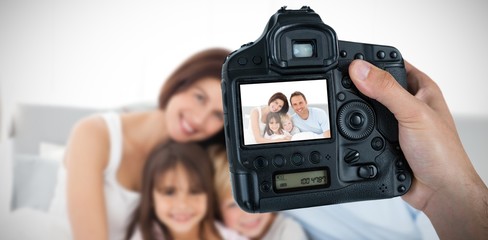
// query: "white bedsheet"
[[30, 224]]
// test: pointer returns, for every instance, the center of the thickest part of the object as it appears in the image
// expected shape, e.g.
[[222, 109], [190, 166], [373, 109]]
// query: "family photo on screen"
[[284, 111]]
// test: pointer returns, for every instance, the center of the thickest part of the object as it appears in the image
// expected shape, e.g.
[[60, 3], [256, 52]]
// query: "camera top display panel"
[[284, 111]]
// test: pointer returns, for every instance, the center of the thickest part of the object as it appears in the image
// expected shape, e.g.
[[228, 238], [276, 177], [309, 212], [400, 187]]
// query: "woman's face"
[[249, 225], [178, 205], [276, 105], [196, 113]]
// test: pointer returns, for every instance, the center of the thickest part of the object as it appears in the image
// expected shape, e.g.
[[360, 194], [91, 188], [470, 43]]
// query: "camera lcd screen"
[[307, 179], [286, 111]]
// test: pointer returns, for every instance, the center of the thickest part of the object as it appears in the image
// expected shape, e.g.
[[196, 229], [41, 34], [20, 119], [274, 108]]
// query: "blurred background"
[[110, 53]]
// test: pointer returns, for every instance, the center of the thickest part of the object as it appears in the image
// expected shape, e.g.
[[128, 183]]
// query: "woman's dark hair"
[[270, 116], [206, 63], [282, 97], [165, 157]]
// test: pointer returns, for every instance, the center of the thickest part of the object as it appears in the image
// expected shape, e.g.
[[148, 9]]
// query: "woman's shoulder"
[[92, 127], [89, 139]]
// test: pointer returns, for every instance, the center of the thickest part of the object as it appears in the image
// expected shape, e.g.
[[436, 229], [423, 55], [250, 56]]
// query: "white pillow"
[[52, 151]]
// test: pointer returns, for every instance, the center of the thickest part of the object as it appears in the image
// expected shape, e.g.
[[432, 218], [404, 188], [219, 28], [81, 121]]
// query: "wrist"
[[460, 211]]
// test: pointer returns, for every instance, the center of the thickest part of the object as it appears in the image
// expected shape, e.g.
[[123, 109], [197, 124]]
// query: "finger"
[[381, 86], [427, 91]]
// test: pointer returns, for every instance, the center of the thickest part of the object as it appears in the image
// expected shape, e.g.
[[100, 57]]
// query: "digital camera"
[[343, 146]]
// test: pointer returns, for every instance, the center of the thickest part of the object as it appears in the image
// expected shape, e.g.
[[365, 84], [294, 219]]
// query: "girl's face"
[[276, 105], [179, 205], [196, 113], [274, 124], [287, 124], [249, 225]]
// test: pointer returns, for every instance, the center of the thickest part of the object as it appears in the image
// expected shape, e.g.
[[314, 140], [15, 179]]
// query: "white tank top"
[[250, 137], [120, 202]]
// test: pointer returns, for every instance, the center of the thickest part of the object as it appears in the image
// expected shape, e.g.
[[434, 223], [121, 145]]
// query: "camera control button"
[[381, 54], [351, 156], [265, 186], [346, 82], [359, 56], [401, 177], [257, 60], [393, 54], [401, 189], [367, 171], [315, 157], [341, 96], [343, 53], [355, 120], [242, 61], [279, 161], [297, 159], [399, 164], [377, 143], [260, 162]]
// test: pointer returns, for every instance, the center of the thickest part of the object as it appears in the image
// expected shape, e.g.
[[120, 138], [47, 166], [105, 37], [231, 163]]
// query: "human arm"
[[324, 123], [85, 160], [326, 134], [446, 186]]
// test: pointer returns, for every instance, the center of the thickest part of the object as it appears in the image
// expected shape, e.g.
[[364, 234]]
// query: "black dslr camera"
[[343, 146]]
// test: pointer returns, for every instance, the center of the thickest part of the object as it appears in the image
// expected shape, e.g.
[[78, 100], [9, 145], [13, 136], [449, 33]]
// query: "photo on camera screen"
[[264, 117]]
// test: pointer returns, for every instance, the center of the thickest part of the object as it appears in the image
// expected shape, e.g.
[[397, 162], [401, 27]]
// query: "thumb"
[[381, 86]]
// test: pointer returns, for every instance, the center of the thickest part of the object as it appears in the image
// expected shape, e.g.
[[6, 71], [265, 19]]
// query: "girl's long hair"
[[277, 117], [162, 159]]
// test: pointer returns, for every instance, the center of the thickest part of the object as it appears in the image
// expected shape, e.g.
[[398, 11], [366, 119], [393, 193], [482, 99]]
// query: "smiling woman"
[[106, 154]]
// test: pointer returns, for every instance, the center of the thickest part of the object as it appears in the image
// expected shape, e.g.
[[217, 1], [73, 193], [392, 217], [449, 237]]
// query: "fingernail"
[[362, 69]]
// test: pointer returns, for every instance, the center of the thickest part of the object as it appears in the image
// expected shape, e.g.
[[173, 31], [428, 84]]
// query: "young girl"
[[277, 103], [263, 226], [177, 196], [274, 128], [288, 125]]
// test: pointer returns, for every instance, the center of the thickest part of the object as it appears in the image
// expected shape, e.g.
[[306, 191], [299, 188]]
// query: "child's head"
[[177, 193], [286, 122], [253, 226], [273, 124]]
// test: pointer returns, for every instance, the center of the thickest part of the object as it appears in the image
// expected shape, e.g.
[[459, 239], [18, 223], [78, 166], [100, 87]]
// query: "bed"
[[39, 134]]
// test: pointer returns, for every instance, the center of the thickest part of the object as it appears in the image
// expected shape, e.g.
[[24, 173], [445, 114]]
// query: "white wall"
[[106, 53]]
